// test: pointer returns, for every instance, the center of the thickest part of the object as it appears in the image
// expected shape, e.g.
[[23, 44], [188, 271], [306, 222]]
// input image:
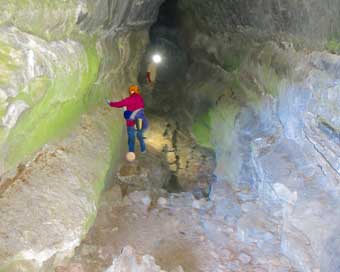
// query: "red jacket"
[[132, 103]]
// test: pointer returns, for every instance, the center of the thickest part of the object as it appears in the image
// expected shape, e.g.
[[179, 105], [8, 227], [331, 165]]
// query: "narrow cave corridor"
[[242, 165]]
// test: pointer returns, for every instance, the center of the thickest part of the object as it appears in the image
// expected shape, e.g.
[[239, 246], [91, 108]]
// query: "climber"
[[148, 77], [134, 115]]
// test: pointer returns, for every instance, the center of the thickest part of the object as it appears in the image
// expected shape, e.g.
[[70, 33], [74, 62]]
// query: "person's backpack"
[[139, 117]]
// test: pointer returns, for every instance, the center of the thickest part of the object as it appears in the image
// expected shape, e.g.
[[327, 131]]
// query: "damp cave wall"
[[262, 91]]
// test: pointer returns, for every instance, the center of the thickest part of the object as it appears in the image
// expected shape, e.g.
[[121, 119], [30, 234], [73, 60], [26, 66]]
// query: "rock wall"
[[307, 17], [51, 58], [269, 108], [255, 93], [58, 61], [128, 261]]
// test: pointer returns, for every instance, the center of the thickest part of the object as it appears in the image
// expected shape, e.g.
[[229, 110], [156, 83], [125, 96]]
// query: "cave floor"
[[181, 229]]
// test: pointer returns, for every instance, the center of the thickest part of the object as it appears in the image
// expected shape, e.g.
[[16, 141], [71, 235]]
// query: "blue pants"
[[131, 139]]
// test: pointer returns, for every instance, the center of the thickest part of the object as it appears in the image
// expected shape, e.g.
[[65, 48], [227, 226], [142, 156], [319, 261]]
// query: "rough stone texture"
[[117, 15], [271, 113], [178, 234], [145, 173], [58, 60], [297, 17], [40, 79], [127, 261], [191, 166], [71, 268], [268, 109], [50, 60], [284, 150], [50, 204]]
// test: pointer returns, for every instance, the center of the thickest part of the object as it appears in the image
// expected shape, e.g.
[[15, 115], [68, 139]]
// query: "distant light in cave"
[[157, 58]]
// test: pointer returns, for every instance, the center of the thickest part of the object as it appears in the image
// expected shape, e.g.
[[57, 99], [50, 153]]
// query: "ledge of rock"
[[51, 203]]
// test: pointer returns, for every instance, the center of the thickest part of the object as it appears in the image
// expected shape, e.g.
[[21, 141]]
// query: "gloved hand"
[[107, 101]]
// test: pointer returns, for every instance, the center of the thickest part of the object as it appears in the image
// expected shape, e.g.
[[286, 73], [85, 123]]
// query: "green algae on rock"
[[58, 77], [58, 60]]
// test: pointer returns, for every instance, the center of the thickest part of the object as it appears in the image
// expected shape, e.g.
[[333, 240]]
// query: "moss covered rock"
[[58, 61]]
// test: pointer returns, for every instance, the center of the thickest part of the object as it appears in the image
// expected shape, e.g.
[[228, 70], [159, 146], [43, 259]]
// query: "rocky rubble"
[[196, 235], [127, 261], [191, 166]]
